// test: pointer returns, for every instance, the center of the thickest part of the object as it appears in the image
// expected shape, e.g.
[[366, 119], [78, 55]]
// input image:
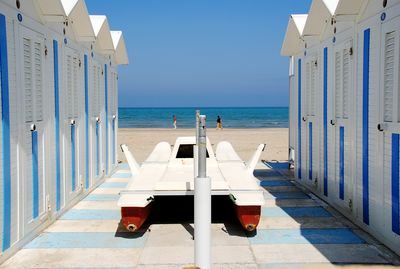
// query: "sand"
[[245, 141]]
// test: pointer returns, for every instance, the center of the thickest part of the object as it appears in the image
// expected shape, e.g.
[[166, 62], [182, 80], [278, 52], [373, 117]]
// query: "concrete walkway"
[[296, 230]]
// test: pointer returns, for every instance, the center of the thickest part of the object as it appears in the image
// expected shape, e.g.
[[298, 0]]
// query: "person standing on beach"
[[219, 123], [174, 121]]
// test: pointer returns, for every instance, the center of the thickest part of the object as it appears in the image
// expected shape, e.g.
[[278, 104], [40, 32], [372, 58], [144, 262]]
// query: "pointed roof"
[[101, 28], [51, 10], [78, 15], [292, 43], [320, 13], [121, 56], [346, 7]]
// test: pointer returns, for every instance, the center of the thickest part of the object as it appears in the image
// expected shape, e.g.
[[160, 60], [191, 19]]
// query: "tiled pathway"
[[295, 230]]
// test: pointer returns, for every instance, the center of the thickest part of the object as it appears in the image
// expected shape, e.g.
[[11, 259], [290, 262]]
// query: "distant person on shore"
[[219, 123], [174, 121]]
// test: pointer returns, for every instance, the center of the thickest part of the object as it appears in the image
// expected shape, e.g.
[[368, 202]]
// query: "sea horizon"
[[232, 117]]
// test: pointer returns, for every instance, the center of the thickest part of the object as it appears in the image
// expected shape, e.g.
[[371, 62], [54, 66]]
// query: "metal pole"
[[195, 148], [202, 204]]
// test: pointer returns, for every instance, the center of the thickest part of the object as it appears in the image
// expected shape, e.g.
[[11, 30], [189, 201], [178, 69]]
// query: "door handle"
[[33, 127], [333, 122], [381, 127], [72, 122], [304, 119]]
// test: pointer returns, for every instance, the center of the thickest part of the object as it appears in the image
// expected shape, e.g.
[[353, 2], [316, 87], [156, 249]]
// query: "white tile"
[[68, 258]]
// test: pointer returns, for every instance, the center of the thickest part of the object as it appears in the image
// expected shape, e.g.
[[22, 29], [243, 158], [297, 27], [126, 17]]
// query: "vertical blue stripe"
[[341, 164], [325, 121], [365, 135], [106, 114], [85, 63], [73, 170], [395, 184], [35, 175], [299, 119], [97, 149], [5, 123], [310, 148], [57, 125], [113, 141]]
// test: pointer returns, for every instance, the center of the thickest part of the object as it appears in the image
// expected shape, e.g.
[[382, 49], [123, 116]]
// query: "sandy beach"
[[141, 141]]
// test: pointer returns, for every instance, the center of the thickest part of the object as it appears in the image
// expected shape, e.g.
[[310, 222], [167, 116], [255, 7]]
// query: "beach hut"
[[47, 51], [356, 45], [293, 46]]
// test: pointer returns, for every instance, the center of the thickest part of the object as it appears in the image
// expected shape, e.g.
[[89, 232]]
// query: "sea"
[[232, 117]]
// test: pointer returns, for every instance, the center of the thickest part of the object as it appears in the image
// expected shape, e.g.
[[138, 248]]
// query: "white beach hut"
[[47, 49], [356, 44]]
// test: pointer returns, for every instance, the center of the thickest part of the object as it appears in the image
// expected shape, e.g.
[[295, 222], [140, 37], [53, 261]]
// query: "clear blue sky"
[[227, 50]]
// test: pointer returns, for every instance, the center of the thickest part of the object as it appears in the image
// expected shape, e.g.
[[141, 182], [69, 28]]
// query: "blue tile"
[[295, 212], [275, 183], [91, 214], [121, 175], [285, 195], [304, 236], [113, 185], [123, 166], [102, 197], [87, 240], [275, 165]]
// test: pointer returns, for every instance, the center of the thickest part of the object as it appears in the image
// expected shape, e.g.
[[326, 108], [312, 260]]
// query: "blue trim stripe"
[[5, 123], [106, 110], [341, 163], [299, 119], [113, 141], [395, 184], [35, 175], [306, 236], [85, 63], [276, 183], [310, 149], [57, 125], [285, 195], [325, 121], [73, 170], [97, 149], [86, 240], [365, 130]]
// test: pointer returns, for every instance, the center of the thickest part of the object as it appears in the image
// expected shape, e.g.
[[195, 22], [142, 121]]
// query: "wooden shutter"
[[28, 87], [338, 81], [388, 77], [346, 82], [75, 105], [69, 86], [308, 95], [38, 67]]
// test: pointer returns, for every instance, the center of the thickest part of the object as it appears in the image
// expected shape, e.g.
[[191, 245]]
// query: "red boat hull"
[[249, 216], [134, 217]]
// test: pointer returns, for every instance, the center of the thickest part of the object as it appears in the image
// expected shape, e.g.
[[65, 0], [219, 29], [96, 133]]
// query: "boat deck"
[[296, 230]]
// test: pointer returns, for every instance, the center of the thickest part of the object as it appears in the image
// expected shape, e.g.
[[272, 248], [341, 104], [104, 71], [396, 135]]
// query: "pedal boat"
[[169, 172]]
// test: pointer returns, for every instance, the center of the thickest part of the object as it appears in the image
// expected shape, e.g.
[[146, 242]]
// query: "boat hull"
[[132, 218], [249, 216]]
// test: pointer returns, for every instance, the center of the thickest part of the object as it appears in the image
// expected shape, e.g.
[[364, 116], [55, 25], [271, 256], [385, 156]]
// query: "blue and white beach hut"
[[48, 49]]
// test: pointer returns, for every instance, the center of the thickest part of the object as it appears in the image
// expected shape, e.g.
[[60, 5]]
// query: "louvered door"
[[311, 122], [343, 130], [95, 122], [32, 129], [73, 106], [389, 126]]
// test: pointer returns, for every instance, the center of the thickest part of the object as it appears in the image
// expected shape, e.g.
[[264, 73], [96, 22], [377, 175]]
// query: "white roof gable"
[[104, 41], [78, 15], [121, 56], [51, 9], [292, 43], [346, 7], [320, 13]]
